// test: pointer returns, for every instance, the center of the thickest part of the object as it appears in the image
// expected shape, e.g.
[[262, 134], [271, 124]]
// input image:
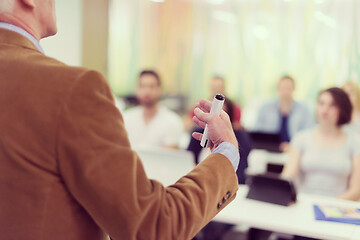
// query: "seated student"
[[326, 159], [241, 136], [217, 86], [353, 91], [283, 115], [151, 124]]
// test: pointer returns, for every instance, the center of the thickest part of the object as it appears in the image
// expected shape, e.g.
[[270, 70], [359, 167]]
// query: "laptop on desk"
[[265, 141], [271, 188]]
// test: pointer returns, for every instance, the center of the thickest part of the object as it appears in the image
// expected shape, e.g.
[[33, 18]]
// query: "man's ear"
[[28, 3]]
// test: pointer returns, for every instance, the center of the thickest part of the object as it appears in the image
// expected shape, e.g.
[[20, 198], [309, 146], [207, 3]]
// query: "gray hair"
[[6, 5]]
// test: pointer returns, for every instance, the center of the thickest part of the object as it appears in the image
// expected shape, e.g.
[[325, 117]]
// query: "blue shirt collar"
[[21, 31]]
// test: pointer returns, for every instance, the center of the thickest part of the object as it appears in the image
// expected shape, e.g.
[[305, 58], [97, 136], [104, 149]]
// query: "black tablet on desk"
[[266, 141], [271, 188]]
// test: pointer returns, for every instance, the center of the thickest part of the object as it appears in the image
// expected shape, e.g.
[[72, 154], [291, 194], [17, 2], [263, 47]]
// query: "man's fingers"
[[205, 105], [204, 117], [201, 108], [199, 123], [224, 116], [197, 135]]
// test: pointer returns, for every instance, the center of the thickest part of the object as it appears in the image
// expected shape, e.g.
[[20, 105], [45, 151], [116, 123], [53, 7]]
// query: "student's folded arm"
[[296, 148], [108, 180], [353, 192], [292, 165]]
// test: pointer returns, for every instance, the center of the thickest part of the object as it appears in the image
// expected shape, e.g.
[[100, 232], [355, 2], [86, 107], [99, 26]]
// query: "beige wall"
[[95, 34], [82, 38], [66, 45]]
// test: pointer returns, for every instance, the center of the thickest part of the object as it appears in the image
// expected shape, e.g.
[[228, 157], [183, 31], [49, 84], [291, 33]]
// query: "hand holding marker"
[[216, 108]]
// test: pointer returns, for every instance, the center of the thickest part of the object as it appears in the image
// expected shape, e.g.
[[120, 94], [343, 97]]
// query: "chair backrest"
[[166, 166]]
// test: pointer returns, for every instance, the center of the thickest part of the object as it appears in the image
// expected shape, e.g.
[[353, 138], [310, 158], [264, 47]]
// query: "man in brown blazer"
[[67, 170]]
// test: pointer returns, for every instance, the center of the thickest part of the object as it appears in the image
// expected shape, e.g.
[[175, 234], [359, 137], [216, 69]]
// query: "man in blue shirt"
[[284, 115]]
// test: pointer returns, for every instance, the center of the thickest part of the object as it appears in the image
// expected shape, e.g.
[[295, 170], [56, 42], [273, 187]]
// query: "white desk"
[[166, 165], [297, 219], [258, 160], [356, 234]]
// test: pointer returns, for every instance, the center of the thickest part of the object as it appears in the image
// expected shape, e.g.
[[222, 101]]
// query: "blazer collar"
[[14, 38]]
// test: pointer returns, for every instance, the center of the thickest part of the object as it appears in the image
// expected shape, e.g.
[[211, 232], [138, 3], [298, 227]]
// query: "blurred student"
[[284, 116], [241, 136], [151, 124], [353, 91], [217, 86], [326, 159]]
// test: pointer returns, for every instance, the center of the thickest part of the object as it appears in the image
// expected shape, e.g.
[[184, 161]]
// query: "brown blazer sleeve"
[[108, 180]]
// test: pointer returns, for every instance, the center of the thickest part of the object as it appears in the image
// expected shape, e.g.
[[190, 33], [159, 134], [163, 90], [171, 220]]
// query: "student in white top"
[[326, 159], [152, 125], [353, 91]]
